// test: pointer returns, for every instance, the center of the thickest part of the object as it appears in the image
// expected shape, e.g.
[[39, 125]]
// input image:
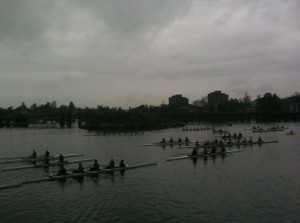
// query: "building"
[[292, 104], [178, 100], [216, 98]]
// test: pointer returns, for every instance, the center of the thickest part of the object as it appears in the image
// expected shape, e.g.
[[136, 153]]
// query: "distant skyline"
[[132, 52]]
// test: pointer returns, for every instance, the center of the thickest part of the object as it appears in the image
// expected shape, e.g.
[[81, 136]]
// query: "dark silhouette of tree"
[[268, 103]]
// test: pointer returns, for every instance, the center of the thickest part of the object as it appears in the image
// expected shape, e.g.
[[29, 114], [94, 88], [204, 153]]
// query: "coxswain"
[[61, 158], [194, 152], [33, 155], [122, 164], [96, 166]]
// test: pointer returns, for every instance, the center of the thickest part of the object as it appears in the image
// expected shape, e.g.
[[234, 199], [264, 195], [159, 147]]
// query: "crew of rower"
[[234, 136], [205, 150], [80, 169], [163, 140]]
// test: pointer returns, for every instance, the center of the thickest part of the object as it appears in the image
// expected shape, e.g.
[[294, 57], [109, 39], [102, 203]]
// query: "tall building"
[[217, 97], [178, 100]]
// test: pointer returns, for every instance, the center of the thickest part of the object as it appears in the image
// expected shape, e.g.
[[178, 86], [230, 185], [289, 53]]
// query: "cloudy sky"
[[132, 52]]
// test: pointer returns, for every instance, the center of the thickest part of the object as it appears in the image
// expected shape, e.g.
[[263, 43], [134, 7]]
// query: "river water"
[[259, 184]]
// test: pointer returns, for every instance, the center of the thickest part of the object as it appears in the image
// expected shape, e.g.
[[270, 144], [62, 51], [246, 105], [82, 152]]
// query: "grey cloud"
[[107, 52]]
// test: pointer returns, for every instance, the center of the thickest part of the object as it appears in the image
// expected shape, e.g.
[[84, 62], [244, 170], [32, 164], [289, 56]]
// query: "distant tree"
[[53, 104], [268, 103], [71, 106], [34, 106], [200, 102], [22, 107], [247, 98]]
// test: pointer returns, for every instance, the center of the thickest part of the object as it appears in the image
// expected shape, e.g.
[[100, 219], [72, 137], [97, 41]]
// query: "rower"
[[111, 164], [33, 155], [61, 158], [250, 140], [220, 143], [223, 149], [163, 140], [47, 157], [205, 150], [171, 140], [187, 139], [96, 166], [80, 169], [213, 150], [194, 152], [259, 139], [62, 171], [122, 164], [179, 140]]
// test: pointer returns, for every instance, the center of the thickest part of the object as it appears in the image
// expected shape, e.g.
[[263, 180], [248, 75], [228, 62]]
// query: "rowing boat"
[[75, 175], [39, 158], [268, 130], [46, 164], [128, 167], [4, 186], [250, 143], [202, 155], [170, 143], [229, 144]]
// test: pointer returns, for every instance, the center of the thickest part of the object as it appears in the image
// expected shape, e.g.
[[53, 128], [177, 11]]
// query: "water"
[[260, 184]]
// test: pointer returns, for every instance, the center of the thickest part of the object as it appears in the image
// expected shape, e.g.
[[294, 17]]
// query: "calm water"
[[260, 184]]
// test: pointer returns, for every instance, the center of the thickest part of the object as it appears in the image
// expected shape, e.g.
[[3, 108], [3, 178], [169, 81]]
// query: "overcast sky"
[[132, 52]]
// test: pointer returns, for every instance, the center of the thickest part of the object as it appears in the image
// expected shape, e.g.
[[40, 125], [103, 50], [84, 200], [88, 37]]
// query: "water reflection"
[[194, 159], [122, 172]]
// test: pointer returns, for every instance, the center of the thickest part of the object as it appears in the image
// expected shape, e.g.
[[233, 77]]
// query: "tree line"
[[149, 116]]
